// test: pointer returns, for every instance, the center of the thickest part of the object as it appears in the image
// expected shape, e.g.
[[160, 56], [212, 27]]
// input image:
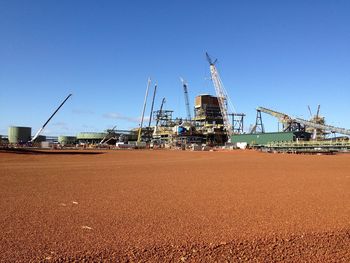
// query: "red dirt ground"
[[174, 206]]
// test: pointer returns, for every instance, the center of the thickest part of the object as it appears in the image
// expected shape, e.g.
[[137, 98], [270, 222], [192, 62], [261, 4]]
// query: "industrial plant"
[[211, 124]]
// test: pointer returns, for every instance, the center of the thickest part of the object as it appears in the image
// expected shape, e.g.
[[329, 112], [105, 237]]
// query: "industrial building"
[[208, 119], [207, 110]]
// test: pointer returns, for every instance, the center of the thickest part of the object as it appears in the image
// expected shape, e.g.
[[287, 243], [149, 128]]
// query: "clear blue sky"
[[279, 54]]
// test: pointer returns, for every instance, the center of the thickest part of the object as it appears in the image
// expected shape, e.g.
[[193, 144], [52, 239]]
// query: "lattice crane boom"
[[221, 94], [150, 115], [53, 114], [143, 110], [188, 111]]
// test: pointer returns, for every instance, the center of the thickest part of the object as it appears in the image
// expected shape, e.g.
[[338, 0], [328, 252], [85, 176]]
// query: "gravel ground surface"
[[165, 206]]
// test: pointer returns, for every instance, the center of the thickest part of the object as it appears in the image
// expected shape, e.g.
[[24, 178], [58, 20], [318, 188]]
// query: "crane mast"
[[221, 94], [150, 115], [53, 114], [143, 110], [188, 111]]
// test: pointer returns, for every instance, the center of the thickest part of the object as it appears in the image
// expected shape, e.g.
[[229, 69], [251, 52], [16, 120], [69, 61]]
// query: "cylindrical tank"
[[67, 139], [93, 136], [19, 134]]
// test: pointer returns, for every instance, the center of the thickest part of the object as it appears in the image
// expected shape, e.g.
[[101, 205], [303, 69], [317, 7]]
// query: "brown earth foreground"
[[162, 206]]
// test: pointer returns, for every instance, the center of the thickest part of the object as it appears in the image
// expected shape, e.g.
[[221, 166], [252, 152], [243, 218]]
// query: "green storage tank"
[[67, 139], [91, 137], [19, 134]]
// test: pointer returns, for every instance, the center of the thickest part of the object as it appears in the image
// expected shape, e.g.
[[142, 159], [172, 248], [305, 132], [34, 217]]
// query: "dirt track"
[[174, 205]]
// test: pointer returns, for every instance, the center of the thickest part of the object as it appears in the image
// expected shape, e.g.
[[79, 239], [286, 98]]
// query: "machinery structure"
[[289, 124], [159, 113], [308, 147], [298, 124], [163, 128], [210, 124], [317, 134], [110, 135]]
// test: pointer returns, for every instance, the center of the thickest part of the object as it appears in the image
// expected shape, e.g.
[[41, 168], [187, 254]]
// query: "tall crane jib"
[[188, 111], [143, 110], [53, 114], [222, 96], [150, 115]]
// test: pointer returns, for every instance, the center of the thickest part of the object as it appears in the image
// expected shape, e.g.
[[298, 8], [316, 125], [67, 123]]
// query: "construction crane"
[[143, 110], [188, 111], [285, 118], [222, 96], [150, 115], [53, 114]]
